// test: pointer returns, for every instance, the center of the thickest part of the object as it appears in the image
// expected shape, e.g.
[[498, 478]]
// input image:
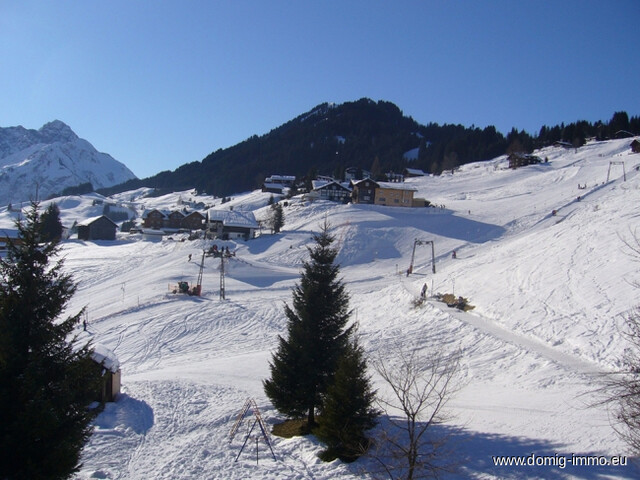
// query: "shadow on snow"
[[472, 455]]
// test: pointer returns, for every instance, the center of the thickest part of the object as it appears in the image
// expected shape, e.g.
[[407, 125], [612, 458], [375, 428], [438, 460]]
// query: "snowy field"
[[550, 293]]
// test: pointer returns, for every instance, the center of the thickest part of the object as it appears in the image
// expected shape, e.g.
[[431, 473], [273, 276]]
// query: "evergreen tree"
[[50, 225], [277, 217], [47, 380], [376, 169], [619, 122], [347, 410], [317, 335]]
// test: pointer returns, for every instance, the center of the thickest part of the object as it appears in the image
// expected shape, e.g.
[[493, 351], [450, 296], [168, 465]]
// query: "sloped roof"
[[320, 184], [146, 213], [88, 221], [357, 182], [280, 178], [233, 218], [105, 357], [396, 186], [326, 184], [194, 213]]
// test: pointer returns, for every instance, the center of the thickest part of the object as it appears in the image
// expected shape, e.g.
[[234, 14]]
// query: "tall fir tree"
[[347, 410], [277, 217], [48, 381], [317, 334], [50, 224]]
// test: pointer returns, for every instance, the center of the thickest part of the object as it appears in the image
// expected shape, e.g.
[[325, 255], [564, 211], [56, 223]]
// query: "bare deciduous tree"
[[420, 387], [622, 388]]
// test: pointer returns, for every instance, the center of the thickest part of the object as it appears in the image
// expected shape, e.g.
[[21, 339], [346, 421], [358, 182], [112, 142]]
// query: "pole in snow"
[[221, 277]]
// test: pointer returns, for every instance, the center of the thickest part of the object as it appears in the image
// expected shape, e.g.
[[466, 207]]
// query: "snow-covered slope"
[[45, 161], [549, 291]]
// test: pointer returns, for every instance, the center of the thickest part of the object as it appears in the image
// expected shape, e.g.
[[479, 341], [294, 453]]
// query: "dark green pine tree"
[[317, 334], [347, 410], [50, 225], [47, 380], [277, 217]]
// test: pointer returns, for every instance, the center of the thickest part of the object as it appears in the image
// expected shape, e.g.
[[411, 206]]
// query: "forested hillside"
[[375, 136]]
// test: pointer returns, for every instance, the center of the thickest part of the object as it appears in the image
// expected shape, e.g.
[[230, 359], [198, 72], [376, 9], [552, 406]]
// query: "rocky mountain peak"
[[50, 159], [57, 131]]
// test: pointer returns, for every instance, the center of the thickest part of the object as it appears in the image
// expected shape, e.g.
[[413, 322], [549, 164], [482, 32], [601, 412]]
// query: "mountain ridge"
[[327, 139], [39, 163], [364, 134]]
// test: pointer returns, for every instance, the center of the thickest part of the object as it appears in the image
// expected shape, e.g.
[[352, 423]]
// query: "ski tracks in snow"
[[527, 343], [519, 340]]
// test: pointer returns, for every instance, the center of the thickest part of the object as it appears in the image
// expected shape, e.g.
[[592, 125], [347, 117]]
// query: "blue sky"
[[157, 84]]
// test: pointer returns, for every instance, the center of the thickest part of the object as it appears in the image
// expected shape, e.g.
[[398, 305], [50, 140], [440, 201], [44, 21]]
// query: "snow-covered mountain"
[[550, 291], [38, 163]]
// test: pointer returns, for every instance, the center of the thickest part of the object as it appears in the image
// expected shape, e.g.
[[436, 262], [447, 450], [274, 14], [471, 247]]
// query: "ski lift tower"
[[624, 173], [413, 254], [221, 276], [198, 288]]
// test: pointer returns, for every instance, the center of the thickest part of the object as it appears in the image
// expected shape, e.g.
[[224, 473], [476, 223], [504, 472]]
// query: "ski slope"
[[550, 294]]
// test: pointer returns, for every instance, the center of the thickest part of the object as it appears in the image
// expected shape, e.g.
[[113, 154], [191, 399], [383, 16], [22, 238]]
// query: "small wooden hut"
[[109, 371]]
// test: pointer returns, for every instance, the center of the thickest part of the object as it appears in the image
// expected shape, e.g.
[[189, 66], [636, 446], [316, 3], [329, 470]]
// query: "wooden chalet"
[[175, 220], [97, 228], [364, 191], [194, 221], [331, 190], [624, 134], [413, 172], [277, 183], [153, 219], [230, 224]]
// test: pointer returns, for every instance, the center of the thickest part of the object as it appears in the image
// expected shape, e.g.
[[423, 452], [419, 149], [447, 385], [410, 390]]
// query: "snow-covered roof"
[[233, 218], [396, 186], [145, 214], [274, 186], [105, 357], [320, 184], [89, 221], [280, 179], [315, 184]]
